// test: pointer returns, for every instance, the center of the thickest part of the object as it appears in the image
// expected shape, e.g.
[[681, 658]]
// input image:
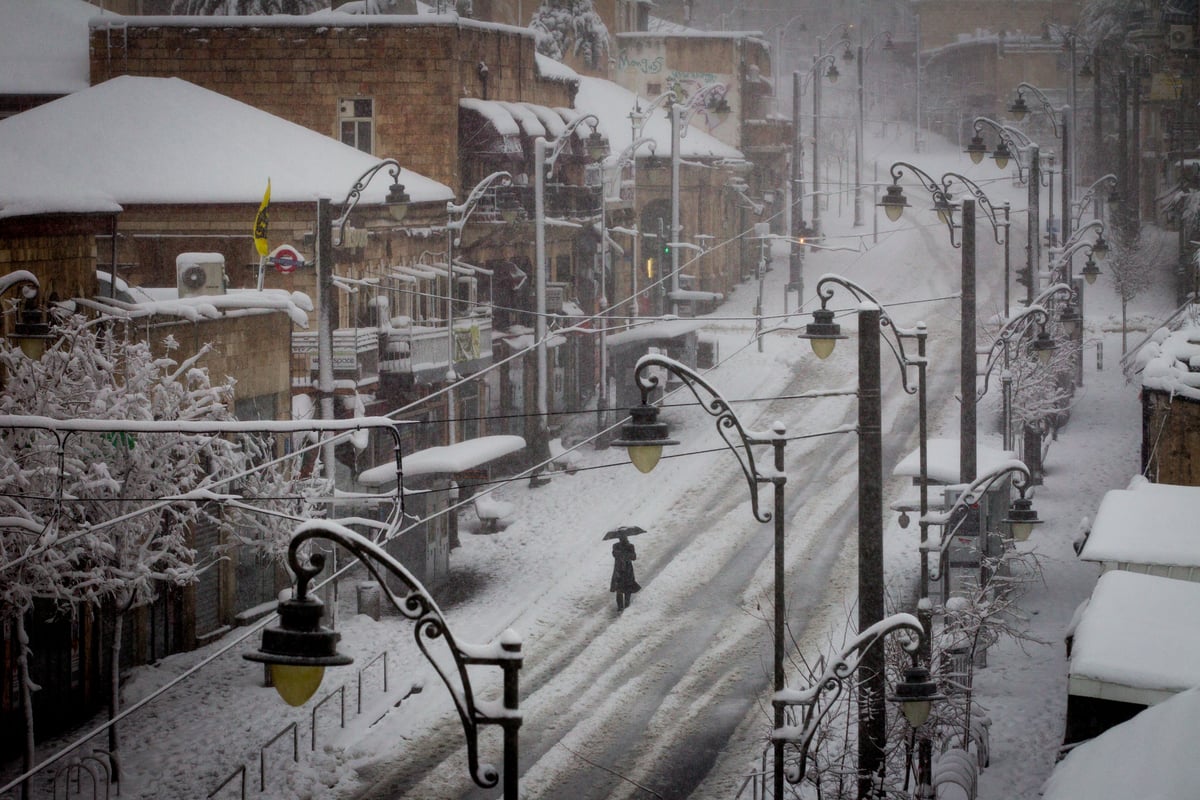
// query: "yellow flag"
[[260, 223]]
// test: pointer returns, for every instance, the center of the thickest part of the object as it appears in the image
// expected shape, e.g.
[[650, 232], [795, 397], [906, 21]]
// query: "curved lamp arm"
[[23, 278], [456, 225], [889, 331], [727, 421], [709, 97], [941, 200], [396, 194], [1092, 225], [811, 75], [1012, 331], [429, 625], [639, 117], [1110, 180], [1013, 140], [982, 201], [822, 695], [558, 144], [626, 156], [1059, 291], [1023, 87], [973, 494]]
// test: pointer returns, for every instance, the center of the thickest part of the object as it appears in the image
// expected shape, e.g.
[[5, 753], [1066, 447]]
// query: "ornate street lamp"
[[915, 695], [397, 200], [299, 648], [874, 325], [645, 436]]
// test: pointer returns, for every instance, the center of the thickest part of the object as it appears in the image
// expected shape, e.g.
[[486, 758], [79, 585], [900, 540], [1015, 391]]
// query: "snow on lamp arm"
[[894, 202], [299, 647], [982, 201], [1020, 108], [397, 199], [915, 694], [31, 331], [1021, 515], [1011, 142], [1013, 331], [1109, 181]]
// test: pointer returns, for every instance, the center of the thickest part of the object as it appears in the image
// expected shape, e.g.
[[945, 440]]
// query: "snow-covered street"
[[671, 698]]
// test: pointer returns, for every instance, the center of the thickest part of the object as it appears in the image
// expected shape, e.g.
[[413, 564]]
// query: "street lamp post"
[[1020, 108], [915, 695], [822, 333], [545, 157], [863, 50], [894, 204], [832, 74], [1011, 143], [710, 97], [799, 81], [299, 648], [645, 437], [1012, 331], [397, 204], [454, 230]]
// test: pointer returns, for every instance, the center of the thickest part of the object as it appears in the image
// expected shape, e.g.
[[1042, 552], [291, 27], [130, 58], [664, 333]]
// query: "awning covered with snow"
[[1121, 539], [449, 459], [1150, 756], [1137, 641]]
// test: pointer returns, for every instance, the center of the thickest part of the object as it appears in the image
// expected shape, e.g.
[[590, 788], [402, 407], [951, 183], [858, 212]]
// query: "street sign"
[[286, 258]]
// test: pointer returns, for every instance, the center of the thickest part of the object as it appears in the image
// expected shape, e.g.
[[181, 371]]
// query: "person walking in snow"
[[623, 582]]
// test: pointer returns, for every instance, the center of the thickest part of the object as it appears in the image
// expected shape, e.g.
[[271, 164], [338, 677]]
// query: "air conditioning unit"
[[200, 274], [1181, 37]]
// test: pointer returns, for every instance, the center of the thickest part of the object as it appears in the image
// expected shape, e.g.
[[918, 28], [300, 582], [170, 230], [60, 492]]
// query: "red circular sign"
[[286, 259]]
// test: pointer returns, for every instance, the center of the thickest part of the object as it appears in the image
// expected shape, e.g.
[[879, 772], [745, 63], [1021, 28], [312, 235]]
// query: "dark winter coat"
[[624, 555]]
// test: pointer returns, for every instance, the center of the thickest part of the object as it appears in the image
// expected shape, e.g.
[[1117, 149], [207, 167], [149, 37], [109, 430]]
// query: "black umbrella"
[[624, 530]]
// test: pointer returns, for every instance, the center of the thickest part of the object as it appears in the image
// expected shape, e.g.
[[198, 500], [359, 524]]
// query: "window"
[[356, 120]]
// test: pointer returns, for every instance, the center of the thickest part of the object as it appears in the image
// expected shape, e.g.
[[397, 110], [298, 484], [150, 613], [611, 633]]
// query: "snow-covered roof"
[[1151, 757], [449, 458], [44, 45], [1138, 639], [612, 104], [1121, 533], [164, 140], [1166, 362], [943, 454]]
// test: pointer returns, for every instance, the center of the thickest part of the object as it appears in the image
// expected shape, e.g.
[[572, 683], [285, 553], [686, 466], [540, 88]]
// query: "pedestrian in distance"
[[623, 582]]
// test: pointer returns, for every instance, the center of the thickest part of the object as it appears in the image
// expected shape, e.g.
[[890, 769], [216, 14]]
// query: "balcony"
[[362, 357], [421, 352]]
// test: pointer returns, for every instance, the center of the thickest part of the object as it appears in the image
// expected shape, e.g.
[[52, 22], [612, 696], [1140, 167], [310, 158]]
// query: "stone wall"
[[59, 249], [415, 72]]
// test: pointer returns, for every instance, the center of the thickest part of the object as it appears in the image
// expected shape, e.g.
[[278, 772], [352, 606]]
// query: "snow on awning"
[[1138, 640], [526, 341], [1154, 750], [686, 295], [943, 457], [486, 128], [450, 458], [1120, 537]]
